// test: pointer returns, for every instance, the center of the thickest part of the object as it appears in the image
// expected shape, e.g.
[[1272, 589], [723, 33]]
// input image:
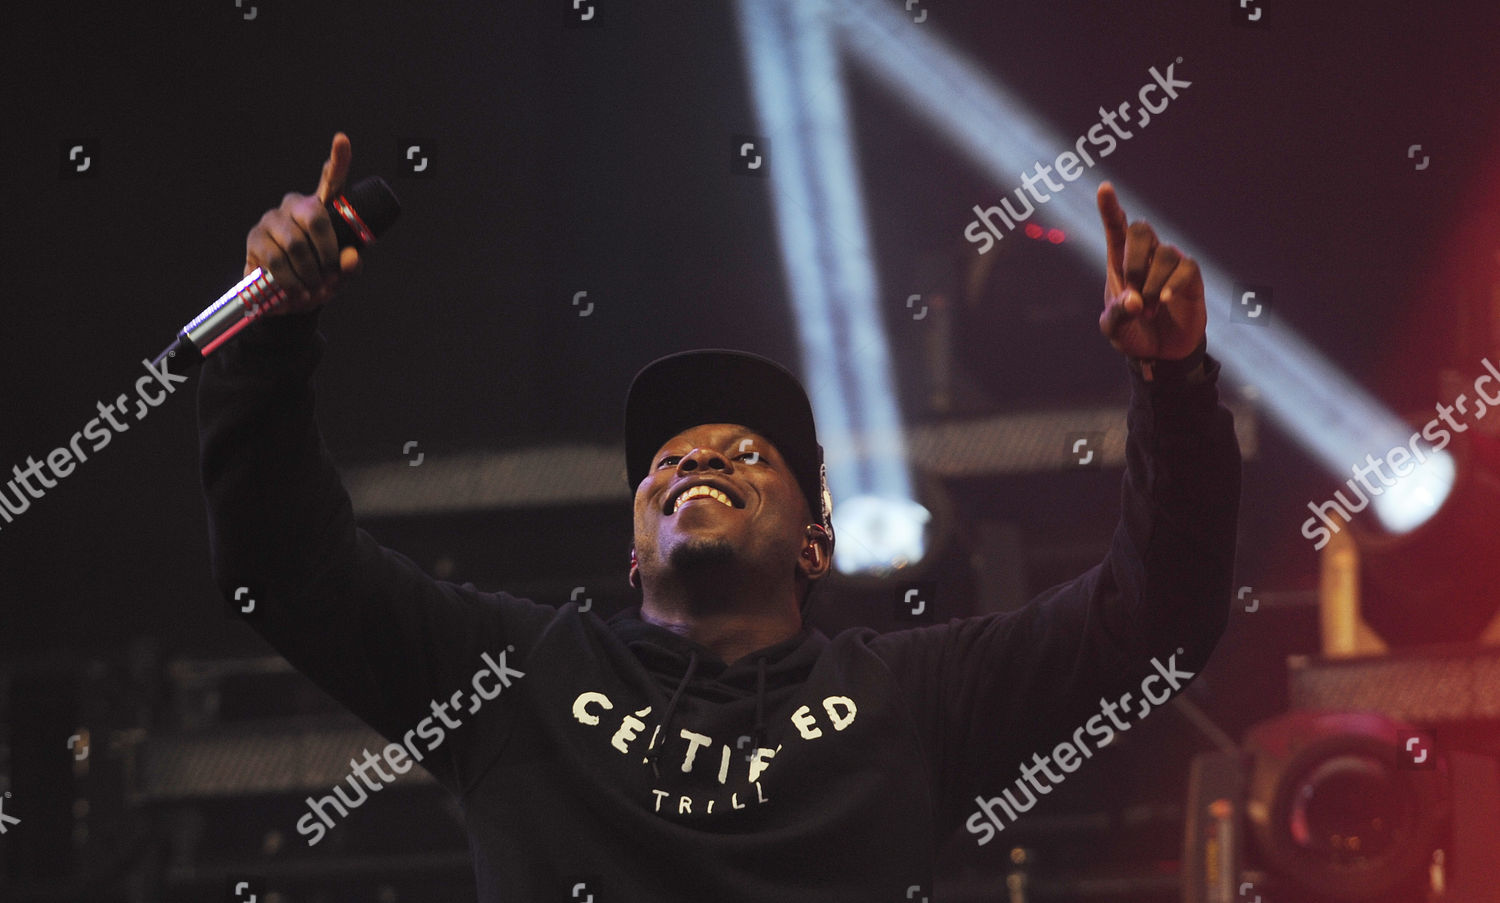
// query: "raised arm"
[[997, 690], [363, 622]]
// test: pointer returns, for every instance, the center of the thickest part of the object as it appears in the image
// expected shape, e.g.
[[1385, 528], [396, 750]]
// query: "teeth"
[[702, 492]]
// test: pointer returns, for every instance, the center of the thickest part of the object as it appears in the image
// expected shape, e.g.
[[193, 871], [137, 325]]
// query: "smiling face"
[[720, 497]]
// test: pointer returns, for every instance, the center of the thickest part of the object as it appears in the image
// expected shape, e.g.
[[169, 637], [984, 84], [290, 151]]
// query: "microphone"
[[359, 215]]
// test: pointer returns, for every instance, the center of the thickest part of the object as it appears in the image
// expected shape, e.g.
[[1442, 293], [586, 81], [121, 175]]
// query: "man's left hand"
[[1153, 295]]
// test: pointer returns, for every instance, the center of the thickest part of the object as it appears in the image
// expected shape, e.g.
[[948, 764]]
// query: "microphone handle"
[[242, 305], [257, 293]]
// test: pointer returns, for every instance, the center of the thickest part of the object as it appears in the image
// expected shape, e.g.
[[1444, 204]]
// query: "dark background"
[[598, 158]]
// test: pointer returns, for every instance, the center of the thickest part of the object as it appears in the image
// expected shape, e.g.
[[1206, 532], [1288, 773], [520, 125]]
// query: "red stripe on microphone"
[[358, 225]]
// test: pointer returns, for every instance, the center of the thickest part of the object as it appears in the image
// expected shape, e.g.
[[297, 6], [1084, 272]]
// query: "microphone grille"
[[374, 203]]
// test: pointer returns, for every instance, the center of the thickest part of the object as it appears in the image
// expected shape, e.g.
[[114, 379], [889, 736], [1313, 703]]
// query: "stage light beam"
[[1329, 415], [798, 91]]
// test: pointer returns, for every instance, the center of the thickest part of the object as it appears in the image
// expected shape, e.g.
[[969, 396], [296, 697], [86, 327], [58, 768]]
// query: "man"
[[708, 745]]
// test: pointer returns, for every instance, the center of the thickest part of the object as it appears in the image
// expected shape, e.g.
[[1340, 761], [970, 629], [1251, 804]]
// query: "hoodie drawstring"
[[654, 752], [758, 735]]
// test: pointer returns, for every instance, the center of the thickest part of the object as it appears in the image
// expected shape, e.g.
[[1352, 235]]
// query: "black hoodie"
[[621, 761]]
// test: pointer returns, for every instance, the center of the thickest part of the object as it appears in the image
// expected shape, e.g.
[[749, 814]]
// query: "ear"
[[635, 570], [817, 553]]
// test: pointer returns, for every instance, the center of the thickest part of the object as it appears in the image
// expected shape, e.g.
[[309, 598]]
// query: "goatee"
[[701, 554]]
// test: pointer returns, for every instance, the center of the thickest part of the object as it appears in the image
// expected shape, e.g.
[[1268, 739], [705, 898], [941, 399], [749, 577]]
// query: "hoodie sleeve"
[[988, 692], [363, 622]]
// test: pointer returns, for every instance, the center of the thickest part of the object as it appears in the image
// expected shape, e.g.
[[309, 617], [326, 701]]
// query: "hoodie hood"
[[663, 652]]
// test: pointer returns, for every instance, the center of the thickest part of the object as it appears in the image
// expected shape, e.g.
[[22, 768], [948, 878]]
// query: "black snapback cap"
[[717, 385]]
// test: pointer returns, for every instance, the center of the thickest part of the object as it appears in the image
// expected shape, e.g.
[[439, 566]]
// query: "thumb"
[[335, 169]]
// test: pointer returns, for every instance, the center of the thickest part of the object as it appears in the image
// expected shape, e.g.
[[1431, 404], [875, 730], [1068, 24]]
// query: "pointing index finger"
[[1113, 216], [335, 169]]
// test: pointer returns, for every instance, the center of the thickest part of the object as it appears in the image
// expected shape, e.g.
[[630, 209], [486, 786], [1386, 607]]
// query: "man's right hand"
[[295, 242]]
